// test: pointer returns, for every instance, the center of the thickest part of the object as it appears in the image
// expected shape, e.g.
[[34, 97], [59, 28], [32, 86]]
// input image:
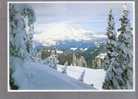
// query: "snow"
[[83, 49], [37, 76], [101, 55], [30, 75], [73, 49], [60, 32], [59, 51], [92, 76], [63, 31]]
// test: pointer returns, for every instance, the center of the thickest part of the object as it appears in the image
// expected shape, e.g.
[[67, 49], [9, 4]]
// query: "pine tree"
[[110, 59], [53, 60], [29, 19], [111, 43], [64, 70], [18, 38], [119, 73], [17, 33], [74, 60], [125, 51]]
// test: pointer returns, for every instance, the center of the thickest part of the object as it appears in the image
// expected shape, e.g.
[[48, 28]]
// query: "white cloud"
[[73, 11], [54, 32]]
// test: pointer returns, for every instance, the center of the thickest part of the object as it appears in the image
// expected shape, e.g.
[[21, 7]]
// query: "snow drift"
[[35, 76], [93, 77]]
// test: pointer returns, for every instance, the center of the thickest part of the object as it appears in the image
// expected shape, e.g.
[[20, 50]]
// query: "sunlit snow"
[[54, 32], [93, 77]]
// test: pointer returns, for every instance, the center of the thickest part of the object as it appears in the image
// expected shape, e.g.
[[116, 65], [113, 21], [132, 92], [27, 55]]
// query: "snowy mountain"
[[69, 44], [68, 35], [74, 44]]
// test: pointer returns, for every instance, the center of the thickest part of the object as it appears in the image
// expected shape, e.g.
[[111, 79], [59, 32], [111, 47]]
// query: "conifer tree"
[[119, 73], [111, 43], [125, 52], [18, 38], [53, 60], [111, 52]]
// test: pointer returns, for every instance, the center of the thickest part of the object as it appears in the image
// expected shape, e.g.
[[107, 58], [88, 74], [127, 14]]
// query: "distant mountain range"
[[68, 44], [74, 44], [62, 35]]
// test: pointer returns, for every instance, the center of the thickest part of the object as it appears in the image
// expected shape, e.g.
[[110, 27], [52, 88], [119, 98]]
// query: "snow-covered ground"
[[91, 76], [35, 76]]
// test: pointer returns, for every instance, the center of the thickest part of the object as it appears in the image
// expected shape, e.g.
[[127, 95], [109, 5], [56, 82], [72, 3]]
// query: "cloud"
[[54, 32], [49, 12], [94, 14], [74, 21]]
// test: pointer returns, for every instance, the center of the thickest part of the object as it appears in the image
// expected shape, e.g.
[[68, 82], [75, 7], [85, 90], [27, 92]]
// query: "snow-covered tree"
[[53, 60], [17, 33], [125, 51], [78, 60], [64, 70], [81, 61], [120, 73], [29, 19], [18, 36], [21, 18], [111, 43], [74, 59]]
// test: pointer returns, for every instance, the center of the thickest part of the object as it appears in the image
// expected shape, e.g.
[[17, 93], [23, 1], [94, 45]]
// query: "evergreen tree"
[[125, 52], [21, 18], [110, 58], [64, 70], [29, 19], [18, 38], [111, 43], [53, 60], [119, 73]]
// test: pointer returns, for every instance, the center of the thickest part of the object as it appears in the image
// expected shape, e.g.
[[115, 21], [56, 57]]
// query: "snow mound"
[[93, 77]]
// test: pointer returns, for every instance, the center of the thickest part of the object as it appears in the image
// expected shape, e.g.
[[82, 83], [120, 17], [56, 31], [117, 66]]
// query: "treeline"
[[76, 58]]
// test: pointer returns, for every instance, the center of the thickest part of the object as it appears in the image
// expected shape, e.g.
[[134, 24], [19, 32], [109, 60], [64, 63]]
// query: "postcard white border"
[[123, 90]]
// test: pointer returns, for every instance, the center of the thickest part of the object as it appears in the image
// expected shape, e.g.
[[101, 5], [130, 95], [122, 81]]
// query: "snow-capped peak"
[[54, 32]]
